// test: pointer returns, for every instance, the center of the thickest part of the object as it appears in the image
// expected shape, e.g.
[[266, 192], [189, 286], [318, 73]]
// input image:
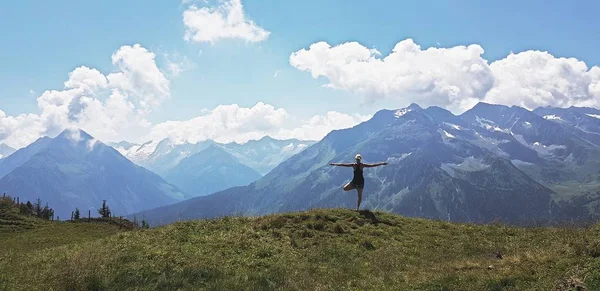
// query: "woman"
[[358, 181]]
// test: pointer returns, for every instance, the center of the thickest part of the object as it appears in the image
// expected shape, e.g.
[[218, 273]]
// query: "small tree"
[[76, 214], [104, 211], [47, 212], [145, 224], [37, 208]]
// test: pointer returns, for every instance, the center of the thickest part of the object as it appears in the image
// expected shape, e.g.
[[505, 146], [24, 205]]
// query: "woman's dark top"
[[358, 180]]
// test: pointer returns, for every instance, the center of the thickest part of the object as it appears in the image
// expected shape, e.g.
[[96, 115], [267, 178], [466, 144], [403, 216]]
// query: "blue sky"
[[42, 41]]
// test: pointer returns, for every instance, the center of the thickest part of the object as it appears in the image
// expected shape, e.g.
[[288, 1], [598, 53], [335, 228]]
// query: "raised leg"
[[348, 187]]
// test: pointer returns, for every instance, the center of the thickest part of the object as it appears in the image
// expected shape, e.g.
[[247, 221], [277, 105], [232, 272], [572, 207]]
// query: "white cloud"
[[455, 78], [174, 69], [107, 106], [87, 79], [319, 126], [227, 123], [185, 2], [20, 130], [533, 78], [176, 65], [139, 76], [226, 21], [74, 135], [91, 143]]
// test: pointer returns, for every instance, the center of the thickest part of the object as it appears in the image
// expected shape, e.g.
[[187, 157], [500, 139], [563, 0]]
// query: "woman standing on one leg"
[[358, 181]]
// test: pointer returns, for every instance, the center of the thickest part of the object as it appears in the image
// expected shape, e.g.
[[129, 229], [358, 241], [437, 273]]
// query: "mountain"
[[492, 163], [123, 144], [586, 121], [265, 154], [76, 170], [5, 151], [209, 171], [167, 155], [139, 154], [21, 156], [558, 147], [124, 147], [261, 155], [550, 140]]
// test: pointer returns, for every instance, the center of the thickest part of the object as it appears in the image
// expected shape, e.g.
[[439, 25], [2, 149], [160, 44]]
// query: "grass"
[[11, 220], [326, 249]]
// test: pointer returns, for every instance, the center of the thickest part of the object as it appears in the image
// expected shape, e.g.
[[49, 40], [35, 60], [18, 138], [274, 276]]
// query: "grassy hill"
[[316, 250], [11, 220]]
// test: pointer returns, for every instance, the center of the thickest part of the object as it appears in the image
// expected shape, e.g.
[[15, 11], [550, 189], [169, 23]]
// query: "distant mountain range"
[[261, 155], [265, 154], [81, 174], [76, 170], [209, 171], [206, 167], [5, 151], [491, 163]]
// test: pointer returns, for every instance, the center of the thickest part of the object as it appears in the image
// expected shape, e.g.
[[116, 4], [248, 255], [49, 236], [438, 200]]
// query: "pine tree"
[[145, 224], [47, 212], [38, 208], [77, 214], [104, 211]]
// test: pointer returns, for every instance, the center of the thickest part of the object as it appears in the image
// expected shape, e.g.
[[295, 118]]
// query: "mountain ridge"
[[428, 149], [75, 170], [210, 170], [261, 155]]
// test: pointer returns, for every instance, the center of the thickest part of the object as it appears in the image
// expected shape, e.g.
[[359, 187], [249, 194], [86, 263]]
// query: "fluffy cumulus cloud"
[[20, 130], [108, 106], [318, 126], [533, 78], [226, 21], [451, 77], [227, 123], [455, 78], [139, 76]]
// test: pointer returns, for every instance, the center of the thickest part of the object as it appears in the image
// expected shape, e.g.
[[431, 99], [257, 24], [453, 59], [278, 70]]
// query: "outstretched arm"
[[375, 165], [342, 164]]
